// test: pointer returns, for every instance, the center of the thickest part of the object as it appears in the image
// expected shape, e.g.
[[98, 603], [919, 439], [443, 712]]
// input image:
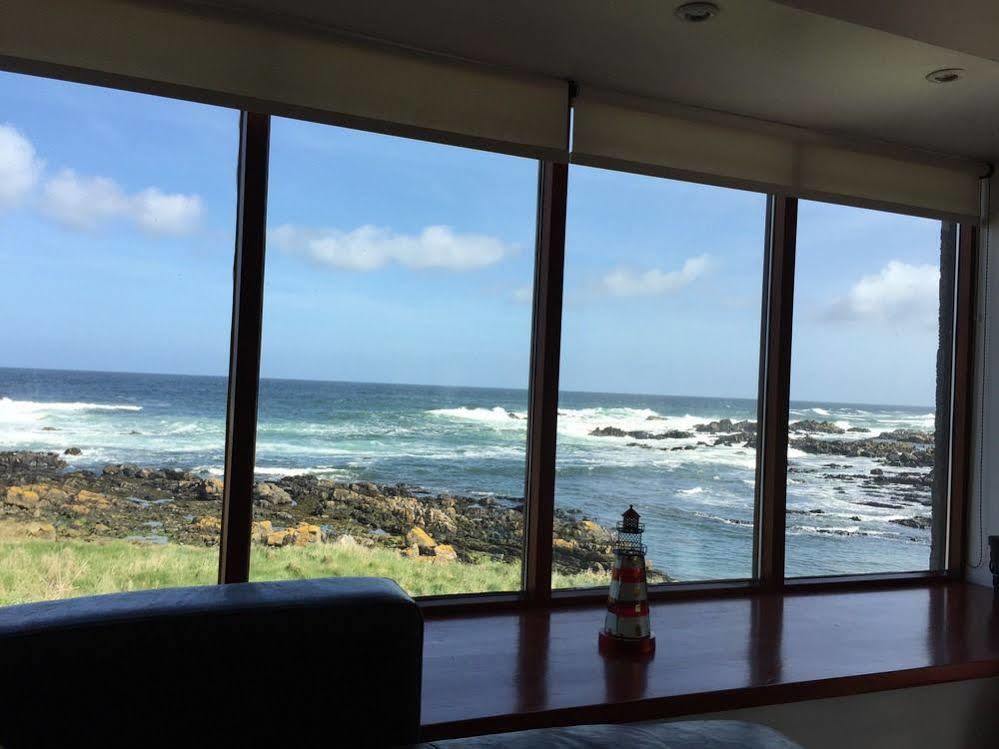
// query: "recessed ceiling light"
[[697, 12], [945, 75]]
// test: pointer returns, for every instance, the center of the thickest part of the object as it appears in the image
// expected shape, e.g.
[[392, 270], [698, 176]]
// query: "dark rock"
[[72, 451], [726, 426], [922, 522], [815, 427], [672, 434]]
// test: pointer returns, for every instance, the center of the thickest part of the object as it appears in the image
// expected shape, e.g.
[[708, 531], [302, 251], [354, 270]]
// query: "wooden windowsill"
[[516, 670]]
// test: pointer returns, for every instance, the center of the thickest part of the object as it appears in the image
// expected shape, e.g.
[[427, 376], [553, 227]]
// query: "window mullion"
[[775, 377], [244, 355], [546, 333]]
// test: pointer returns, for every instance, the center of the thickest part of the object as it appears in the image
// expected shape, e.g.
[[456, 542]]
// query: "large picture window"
[[660, 355], [870, 391], [424, 413], [117, 213]]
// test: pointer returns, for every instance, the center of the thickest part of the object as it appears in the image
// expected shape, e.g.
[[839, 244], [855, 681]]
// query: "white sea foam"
[[27, 411], [493, 416], [691, 492], [820, 411]]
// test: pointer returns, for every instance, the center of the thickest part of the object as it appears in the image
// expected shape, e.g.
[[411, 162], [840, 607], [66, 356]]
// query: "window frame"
[[774, 376]]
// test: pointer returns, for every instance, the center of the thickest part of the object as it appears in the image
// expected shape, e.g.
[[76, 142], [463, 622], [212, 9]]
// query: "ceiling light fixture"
[[945, 75], [697, 12]]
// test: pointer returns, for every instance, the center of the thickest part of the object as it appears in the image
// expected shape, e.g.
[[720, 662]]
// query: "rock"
[[306, 533], [420, 538], [278, 538], [445, 553], [40, 530], [271, 494], [211, 489], [49, 429], [91, 499], [209, 524], [922, 522], [726, 425], [671, 434], [260, 530], [411, 552], [72, 451], [817, 427], [346, 541], [25, 497]]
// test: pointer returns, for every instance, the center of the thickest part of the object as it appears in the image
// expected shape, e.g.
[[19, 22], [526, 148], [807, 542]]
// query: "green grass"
[[34, 570]]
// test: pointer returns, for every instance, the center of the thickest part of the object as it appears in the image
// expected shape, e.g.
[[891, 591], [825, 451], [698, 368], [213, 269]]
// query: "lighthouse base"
[[609, 644]]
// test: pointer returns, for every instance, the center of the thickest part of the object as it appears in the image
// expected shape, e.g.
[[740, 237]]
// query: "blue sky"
[[399, 261]]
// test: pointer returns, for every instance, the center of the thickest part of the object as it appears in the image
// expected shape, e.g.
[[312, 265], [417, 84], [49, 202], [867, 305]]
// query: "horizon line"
[[464, 387]]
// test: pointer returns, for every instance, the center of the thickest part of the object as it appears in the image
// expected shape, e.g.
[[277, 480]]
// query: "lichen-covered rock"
[[445, 553], [211, 488], [25, 497], [420, 538]]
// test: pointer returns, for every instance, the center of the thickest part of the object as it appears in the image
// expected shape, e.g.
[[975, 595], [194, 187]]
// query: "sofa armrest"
[[279, 663]]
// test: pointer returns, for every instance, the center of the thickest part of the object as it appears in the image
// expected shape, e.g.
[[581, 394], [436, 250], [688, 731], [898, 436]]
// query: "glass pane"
[[392, 421], [117, 214], [870, 380], [660, 360]]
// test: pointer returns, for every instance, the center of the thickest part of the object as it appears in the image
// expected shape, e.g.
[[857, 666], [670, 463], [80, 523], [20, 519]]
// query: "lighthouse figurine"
[[626, 627]]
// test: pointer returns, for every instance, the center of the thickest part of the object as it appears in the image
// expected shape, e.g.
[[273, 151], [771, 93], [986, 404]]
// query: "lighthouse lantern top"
[[629, 533]]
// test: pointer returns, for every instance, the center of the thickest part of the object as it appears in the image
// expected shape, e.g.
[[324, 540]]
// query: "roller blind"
[[637, 135], [235, 62]]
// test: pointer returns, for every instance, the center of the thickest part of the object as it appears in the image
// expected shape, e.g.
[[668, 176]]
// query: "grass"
[[35, 570]]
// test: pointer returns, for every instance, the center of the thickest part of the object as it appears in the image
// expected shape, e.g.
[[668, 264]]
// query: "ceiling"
[[758, 58]]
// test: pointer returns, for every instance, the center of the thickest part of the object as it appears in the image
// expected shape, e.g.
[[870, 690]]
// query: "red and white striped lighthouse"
[[626, 627]]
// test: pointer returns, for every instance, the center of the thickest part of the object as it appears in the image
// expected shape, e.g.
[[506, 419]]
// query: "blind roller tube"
[[685, 143], [223, 60]]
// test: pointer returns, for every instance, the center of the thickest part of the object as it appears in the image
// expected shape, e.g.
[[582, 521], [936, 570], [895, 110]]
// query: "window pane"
[[392, 421], [870, 382], [116, 233], [660, 360]]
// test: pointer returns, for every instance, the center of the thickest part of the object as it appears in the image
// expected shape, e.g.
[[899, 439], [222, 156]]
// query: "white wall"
[[984, 505], [958, 715]]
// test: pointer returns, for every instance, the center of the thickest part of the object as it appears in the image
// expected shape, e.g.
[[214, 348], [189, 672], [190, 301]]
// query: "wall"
[[984, 506], [958, 715]]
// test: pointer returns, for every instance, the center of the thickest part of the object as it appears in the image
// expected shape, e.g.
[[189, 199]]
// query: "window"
[[116, 234], [870, 391], [660, 355], [392, 413]]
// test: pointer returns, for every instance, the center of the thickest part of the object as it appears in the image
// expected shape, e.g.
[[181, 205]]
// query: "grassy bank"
[[34, 570]]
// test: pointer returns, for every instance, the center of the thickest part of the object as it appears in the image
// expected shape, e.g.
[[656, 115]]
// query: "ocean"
[[697, 503]]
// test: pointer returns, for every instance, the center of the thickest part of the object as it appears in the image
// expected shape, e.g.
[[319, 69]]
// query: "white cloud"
[[523, 294], [20, 166], [369, 248], [899, 293], [82, 202], [160, 213], [87, 202], [653, 282]]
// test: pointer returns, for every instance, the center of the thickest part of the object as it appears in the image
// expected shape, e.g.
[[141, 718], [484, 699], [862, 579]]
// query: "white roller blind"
[[681, 142], [290, 72]]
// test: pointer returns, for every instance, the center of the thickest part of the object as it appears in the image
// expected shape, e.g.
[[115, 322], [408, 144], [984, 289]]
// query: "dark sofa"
[[317, 663]]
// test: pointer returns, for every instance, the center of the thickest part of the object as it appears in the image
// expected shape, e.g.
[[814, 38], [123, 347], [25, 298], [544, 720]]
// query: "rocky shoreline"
[[887, 488], [43, 497]]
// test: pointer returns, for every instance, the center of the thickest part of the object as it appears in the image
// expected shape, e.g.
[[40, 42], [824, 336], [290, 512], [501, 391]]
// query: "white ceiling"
[[758, 58]]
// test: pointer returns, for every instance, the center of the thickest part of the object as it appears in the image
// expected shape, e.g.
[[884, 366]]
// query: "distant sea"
[[697, 504]]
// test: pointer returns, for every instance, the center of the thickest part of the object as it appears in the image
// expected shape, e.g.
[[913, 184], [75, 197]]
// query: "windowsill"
[[516, 670]]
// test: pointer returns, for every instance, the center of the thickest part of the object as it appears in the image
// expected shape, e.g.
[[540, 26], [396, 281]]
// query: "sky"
[[393, 260]]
